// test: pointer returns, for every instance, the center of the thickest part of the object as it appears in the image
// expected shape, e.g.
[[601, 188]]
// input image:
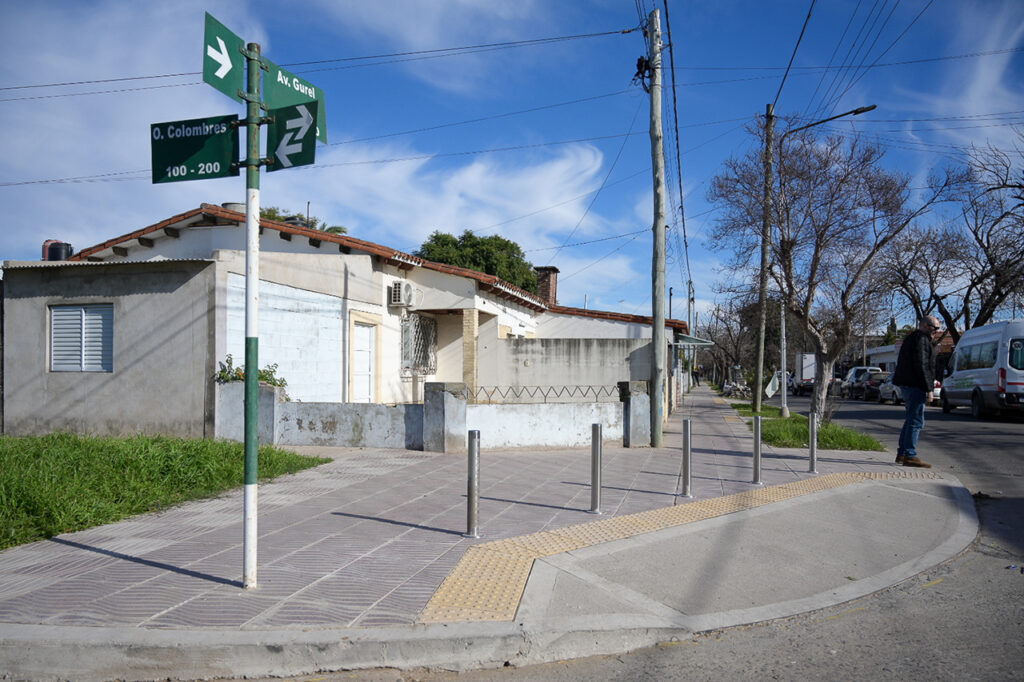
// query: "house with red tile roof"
[[129, 335]]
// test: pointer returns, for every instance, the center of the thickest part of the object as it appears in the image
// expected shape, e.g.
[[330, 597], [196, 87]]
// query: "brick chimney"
[[547, 283]]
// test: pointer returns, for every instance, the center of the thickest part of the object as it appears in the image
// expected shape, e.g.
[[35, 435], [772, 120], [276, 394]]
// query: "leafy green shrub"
[[268, 375]]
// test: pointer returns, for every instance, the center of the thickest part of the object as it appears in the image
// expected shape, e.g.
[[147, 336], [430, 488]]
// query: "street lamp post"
[[766, 240]]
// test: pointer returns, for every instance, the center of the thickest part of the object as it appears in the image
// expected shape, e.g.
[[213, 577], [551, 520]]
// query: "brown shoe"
[[916, 462], [900, 459]]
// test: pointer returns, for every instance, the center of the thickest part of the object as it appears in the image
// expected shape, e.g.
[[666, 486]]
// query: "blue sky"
[[544, 143]]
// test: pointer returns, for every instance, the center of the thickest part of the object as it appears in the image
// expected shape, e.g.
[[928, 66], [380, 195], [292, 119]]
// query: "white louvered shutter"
[[82, 338]]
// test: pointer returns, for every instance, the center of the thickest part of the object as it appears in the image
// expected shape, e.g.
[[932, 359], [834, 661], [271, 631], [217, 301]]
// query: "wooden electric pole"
[[658, 261]]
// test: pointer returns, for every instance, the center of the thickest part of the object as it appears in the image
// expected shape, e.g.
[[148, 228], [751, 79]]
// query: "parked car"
[[852, 377], [987, 370], [867, 387], [889, 392]]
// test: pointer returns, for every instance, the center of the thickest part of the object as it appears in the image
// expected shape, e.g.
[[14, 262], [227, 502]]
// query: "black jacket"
[[916, 363]]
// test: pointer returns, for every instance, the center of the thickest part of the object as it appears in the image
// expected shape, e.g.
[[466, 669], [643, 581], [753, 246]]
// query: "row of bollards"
[[596, 444], [812, 425]]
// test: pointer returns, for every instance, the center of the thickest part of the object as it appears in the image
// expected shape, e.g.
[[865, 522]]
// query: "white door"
[[363, 345]]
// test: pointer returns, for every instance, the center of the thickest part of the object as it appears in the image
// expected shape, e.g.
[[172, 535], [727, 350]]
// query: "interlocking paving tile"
[[232, 610]]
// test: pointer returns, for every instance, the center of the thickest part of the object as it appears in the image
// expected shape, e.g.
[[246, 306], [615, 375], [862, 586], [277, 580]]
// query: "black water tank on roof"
[[57, 250]]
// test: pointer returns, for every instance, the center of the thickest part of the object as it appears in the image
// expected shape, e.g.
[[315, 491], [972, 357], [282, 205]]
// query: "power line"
[[884, 52], [442, 50], [484, 118], [835, 51], [793, 56], [852, 51], [852, 76], [679, 161], [605, 181], [592, 241]]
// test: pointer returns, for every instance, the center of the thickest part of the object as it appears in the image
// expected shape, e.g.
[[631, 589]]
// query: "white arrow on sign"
[[303, 123], [221, 57]]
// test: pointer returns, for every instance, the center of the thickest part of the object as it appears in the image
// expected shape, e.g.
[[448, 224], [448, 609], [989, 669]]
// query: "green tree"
[[493, 255], [275, 213], [891, 333]]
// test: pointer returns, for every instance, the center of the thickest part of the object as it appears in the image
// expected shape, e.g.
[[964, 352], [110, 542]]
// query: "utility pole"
[[691, 322], [766, 236], [658, 261]]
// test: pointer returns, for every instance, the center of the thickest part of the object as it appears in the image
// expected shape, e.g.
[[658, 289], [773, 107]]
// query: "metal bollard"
[[473, 487], [812, 425], [687, 455], [757, 450], [596, 443]]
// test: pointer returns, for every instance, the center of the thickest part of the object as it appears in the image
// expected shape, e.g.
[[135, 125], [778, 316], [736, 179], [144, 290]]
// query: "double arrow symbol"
[[291, 141]]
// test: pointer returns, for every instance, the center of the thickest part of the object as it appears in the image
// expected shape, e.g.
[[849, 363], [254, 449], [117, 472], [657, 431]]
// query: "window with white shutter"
[[82, 338]]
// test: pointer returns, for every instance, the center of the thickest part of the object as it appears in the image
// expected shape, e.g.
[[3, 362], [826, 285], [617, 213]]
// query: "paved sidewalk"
[[362, 561]]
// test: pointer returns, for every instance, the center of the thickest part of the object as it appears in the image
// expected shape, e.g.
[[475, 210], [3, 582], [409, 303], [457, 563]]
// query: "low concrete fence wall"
[[361, 425], [566, 425], [440, 424], [355, 425]]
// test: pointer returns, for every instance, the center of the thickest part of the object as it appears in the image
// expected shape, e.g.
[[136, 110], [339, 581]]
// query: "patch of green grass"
[[794, 432], [64, 482], [747, 410]]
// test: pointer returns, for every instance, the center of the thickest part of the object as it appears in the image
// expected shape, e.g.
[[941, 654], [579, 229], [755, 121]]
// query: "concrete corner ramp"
[[613, 585]]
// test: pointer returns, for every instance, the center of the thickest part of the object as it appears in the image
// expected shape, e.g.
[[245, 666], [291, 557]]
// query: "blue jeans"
[[913, 398]]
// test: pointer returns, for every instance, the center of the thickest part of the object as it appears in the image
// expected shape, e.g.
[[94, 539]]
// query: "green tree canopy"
[[275, 213], [493, 255]]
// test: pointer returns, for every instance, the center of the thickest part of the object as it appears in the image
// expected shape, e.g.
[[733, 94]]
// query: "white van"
[[986, 371]]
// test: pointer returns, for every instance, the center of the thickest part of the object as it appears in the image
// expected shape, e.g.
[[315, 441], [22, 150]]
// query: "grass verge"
[[794, 432], [63, 482]]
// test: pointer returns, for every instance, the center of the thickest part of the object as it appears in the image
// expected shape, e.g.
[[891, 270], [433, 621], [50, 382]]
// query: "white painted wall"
[[300, 331]]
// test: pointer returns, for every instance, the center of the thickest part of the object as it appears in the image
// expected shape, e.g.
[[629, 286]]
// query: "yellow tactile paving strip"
[[488, 583]]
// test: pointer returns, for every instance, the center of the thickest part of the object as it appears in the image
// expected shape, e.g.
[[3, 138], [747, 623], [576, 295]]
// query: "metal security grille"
[[419, 345]]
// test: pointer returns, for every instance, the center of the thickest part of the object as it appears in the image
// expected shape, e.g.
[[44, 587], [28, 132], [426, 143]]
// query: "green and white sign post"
[[208, 148]]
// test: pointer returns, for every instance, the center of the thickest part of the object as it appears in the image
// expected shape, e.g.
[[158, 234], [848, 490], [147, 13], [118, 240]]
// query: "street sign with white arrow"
[[282, 88], [223, 61], [291, 137]]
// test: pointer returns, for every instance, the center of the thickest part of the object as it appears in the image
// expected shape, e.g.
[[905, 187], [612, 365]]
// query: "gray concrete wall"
[[636, 414], [163, 349], [282, 422], [566, 362], [229, 421], [351, 425], [444, 417]]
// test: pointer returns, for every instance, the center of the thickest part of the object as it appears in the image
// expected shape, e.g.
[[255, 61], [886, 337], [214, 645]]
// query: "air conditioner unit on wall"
[[401, 294]]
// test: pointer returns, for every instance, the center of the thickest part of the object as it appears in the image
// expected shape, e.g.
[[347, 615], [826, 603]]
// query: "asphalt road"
[[963, 620]]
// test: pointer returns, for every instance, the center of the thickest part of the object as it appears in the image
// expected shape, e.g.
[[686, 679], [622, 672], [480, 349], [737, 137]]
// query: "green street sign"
[[196, 149], [291, 137], [223, 61], [282, 88]]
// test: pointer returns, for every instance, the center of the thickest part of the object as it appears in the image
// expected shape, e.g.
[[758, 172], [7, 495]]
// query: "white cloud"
[[410, 26]]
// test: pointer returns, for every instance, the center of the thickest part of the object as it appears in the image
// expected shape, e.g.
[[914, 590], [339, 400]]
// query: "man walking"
[[915, 375]]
